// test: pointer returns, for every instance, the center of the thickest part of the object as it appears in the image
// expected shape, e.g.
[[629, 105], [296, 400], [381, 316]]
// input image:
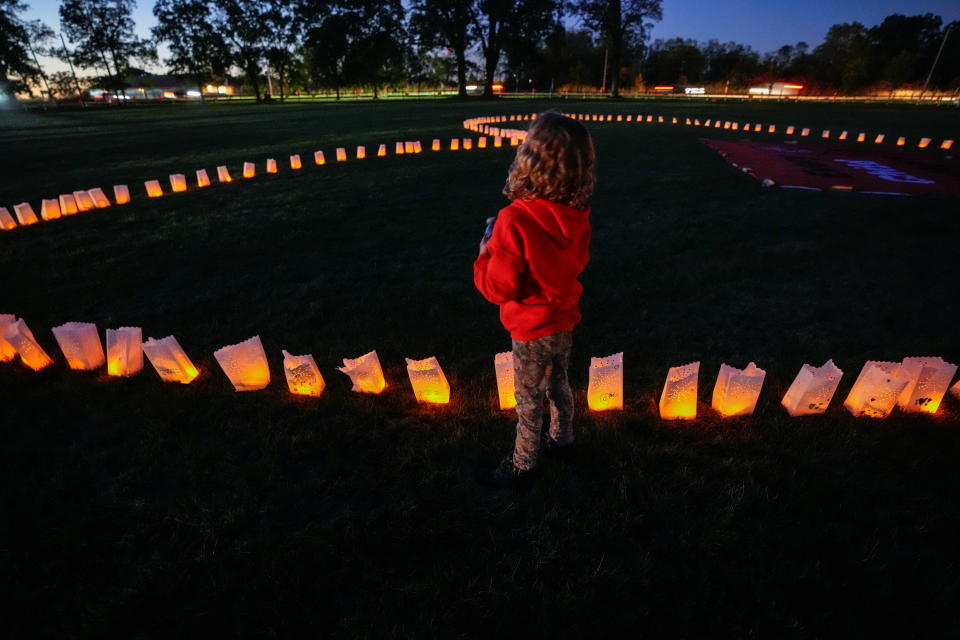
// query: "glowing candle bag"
[[271, 165], [68, 204], [153, 188], [365, 373], [678, 401], [84, 201], [50, 209], [812, 389], [506, 389], [245, 364], [429, 384], [178, 182], [80, 343], [121, 194], [18, 335], [303, 376], [605, 389], [170, 361], [203, 180], [875, 392], [25, 214], [6, 220], [124, 351], [7, 352], [737, 390], [223, 174], [295, 162], [928, 382], [249, 170], [319, 158], [100, 200]]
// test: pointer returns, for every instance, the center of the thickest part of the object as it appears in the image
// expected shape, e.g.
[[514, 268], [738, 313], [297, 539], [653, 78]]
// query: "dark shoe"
[[551, 447], [505, 475]]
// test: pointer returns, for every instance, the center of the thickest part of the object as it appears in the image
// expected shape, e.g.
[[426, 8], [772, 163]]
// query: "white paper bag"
[[124, 351], [428, 381], [80, 343], [245, 364], [100, 200], [7, 352], [737, 390], [365, 373], [506, 391], [6, 220], [605, 388], [812, 389], [303, 376], [929, 379], [678, 401], [25, 214], [875, 392], [50, 209], [169, 360], [19, 336]]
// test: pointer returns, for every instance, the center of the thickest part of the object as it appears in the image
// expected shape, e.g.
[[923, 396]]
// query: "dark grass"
[[132, 508]]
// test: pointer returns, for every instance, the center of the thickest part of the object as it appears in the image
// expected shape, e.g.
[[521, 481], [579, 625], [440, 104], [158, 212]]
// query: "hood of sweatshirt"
[[564, 224]]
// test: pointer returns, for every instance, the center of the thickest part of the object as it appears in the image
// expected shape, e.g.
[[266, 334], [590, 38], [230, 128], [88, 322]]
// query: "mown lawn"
[[137, 509]]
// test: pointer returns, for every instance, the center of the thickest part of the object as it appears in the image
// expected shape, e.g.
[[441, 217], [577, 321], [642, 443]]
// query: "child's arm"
[[496, 272]]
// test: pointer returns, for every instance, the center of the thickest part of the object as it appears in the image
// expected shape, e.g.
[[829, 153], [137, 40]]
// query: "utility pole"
[[946, 34], [72, 70]]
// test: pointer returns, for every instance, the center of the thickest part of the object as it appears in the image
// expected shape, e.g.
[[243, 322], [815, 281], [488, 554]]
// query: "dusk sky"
[[763, 24]]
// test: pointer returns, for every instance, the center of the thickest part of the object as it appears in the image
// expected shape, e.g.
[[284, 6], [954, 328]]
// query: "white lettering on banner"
[[884, 172]]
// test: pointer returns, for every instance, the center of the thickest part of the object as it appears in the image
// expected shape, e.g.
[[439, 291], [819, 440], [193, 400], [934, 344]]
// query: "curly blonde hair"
[[555, 162]]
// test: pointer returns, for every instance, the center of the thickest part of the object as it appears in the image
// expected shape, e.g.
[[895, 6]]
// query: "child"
[[529, 266]]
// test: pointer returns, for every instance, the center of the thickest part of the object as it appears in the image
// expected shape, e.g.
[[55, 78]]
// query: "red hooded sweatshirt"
[[537, 250]]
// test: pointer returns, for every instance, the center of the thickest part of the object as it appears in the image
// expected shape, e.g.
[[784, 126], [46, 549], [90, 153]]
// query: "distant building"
[[149, 86]]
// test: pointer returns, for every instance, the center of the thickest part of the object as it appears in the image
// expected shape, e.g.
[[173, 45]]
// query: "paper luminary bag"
[[303, 376], [679, 398], [249, 170], [25, 214], [68, 204], [812, 389], [295, 162], [381, 151], [80, 343], [203, 180], [408, 146], [7, 352], [417, 147], [169, 359], [737, 390], [435, 145], [84, 201], [153, 188], [605, 388], [365, 373], [124, 351], [245, 364], [178, 182], [506, 391], [50, 209], [929, 379], [318, 158], [18, 335], [398, 148], [468, 144], [271, 165], [482, 143], [454, 144], [223, 174], [876, 389], [361, 152], [6, 220], [428, 381], [121, 194], [100, 200]]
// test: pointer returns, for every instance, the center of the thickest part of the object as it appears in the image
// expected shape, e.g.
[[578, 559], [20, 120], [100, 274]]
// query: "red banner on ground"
[[842, 167]]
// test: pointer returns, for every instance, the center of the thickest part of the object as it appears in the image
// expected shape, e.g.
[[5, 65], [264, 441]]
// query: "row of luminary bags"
[[68, 204], [913, 385]]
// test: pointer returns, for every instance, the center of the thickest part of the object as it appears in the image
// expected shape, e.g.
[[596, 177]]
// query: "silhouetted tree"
[[623, 25], [17, 64], [196, 47]]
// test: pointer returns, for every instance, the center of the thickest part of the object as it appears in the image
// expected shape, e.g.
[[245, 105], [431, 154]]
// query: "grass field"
[[137, 509]]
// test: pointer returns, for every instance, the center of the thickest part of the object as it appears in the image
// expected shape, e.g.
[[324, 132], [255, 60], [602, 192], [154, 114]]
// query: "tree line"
[[528, 44]]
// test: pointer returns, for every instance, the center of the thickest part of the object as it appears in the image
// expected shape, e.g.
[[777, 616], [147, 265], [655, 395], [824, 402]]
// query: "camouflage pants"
[[540, 377]]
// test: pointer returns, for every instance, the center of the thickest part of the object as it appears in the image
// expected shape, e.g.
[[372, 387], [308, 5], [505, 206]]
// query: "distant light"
[[498, 86], [760, 90], [664, 88], [793, 86], [471, 87], [695, 90], [193, 94], [169, 94]]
